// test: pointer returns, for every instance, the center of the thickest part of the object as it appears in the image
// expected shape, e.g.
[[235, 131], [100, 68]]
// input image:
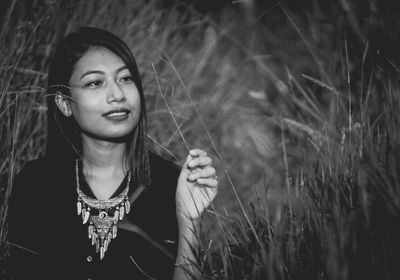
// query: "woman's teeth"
[[117, 114]]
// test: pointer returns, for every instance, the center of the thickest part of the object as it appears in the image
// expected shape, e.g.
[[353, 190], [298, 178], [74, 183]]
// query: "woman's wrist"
[[187, 223]]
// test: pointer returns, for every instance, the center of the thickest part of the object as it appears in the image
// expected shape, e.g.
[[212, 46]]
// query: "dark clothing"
[[50, 241]]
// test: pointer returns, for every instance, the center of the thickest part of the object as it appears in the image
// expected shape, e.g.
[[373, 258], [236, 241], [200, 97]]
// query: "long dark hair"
[[64, 142]]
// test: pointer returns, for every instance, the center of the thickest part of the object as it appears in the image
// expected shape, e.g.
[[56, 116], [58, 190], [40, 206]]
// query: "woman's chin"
[[116, 137]]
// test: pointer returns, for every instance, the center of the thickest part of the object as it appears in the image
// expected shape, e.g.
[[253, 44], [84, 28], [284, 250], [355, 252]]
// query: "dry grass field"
[[297, 104]]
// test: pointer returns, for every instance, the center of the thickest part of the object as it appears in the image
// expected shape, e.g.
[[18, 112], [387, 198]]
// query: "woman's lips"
[[117, 115]]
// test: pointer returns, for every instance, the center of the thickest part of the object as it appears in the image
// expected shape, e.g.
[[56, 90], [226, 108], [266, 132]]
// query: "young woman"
[[99, 205]]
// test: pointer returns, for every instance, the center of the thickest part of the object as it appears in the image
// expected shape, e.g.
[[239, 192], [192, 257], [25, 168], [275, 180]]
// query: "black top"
[[49, 240]]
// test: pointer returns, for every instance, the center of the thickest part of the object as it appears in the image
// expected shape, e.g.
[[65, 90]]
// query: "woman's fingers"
[[201, 170], [206, 172], [196, 158], [197, 153], [208, 182], [199, 161]]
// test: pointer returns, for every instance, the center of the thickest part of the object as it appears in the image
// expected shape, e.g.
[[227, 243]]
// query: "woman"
[[99, 205]]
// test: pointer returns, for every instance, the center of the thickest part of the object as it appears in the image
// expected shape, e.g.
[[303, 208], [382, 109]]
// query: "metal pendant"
[[102, 227], [79, 207], [127, 206]]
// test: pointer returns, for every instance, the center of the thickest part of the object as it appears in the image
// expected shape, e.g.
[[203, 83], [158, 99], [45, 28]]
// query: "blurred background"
[[296, 101]]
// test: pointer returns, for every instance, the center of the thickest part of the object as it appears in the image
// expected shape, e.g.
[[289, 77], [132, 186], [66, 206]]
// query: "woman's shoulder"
[[39, 176], [32, 169], [28, 188], [38, 169], [35, 164]]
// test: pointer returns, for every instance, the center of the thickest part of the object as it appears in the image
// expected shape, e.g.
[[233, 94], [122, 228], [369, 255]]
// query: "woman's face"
[[105, 100]]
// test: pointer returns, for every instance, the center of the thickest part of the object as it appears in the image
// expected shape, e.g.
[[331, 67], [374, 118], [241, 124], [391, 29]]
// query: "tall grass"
[[298, 112]]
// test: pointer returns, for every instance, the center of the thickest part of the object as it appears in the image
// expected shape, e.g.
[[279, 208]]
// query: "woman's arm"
[[185, 267], [196, 189]]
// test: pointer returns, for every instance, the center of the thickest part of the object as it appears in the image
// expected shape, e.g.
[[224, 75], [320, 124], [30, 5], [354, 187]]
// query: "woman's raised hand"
[[197, 185]]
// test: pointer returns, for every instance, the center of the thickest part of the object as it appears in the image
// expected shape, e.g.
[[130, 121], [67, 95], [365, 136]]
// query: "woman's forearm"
[[185, 264]]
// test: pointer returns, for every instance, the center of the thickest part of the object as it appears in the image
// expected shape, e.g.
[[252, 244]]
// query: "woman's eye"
[[126, 79], [94, 84]]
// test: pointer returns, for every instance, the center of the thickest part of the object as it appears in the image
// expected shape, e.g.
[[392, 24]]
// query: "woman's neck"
[[104, 166], [103, 154]]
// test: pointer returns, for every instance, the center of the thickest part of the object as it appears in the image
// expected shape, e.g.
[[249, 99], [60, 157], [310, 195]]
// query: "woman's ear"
[[62, 102]]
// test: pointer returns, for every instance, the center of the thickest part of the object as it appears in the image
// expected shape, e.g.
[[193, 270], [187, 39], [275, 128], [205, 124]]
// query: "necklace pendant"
[[109, 237], [105, 246], [97, 244], [79, 207], [127, 206], [90, 231], [86, 216], [116, 216], [121, 212], [114, 231], [94, 238], [102, 230], [83, 213], [101, 252]]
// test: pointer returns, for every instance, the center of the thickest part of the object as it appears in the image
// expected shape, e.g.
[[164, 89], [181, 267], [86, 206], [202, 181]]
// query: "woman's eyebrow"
[[122, 68], [101, 72], [92, 72]]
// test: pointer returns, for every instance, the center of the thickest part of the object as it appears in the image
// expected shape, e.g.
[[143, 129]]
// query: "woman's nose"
[[115, 93]]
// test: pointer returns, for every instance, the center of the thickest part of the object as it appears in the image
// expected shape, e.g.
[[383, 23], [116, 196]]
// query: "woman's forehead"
[[97, 58]]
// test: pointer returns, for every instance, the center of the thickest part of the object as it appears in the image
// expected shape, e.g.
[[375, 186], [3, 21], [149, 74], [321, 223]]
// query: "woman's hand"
[[197, 185], [196, 189]]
